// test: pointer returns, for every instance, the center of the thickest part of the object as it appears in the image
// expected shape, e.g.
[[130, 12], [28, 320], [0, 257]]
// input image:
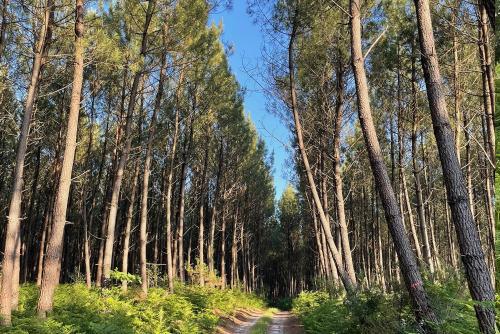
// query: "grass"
[[263, 323]]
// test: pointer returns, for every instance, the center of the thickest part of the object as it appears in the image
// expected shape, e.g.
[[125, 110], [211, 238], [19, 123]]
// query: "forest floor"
[[245, 321]]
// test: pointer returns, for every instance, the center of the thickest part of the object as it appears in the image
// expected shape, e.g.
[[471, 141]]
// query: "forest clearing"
[[248, 166]]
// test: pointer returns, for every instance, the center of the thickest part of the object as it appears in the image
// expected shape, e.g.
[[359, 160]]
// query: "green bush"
[[370, 312], [367, 312], [78, 310]]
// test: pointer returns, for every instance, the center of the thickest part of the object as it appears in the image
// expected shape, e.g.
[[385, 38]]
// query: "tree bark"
[[488, 87], [52, 263], [337, 179], [213, 223], [408, 263], [128, 225], [348, 283], [234, 251], [223, 249], [456, 80], [11, 252], [117, 182], [476, 269], [201, 227], [143, 235], [168, 198], [180, 212]]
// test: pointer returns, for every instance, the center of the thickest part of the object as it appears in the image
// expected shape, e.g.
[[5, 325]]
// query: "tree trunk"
[[117, 182], [223, 249], [106, 191], [211, 242], [52, 263], [12, 238], [143, 235], [456, 84], [323, 272], [180, 217], [408, 263], [472, 255], [234, 251], [488, 78], [128, 225], [168, 198], [41, 252], [201, 227], [349, 284], [88, 166], [337, 180]]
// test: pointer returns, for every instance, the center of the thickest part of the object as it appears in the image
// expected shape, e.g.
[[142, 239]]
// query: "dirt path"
[[240, 323], [244, 320], [285, 323]]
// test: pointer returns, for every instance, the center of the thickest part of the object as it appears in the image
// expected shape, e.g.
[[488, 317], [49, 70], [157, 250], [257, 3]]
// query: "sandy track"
[[240, 323], [244, 320], [285, 323]]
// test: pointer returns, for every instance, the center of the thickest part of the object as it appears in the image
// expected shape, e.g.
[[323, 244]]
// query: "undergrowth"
[[373, 312], [77, 310]]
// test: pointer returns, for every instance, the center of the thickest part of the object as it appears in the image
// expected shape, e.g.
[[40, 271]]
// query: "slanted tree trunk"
[[414, 150], [420, 206], [322, 265], [489, 113], [456, 80], [421, 216], [337, 179], [347, 281], [52, 263], [488, 75], [476, 269], [117, 182], [408, 263]]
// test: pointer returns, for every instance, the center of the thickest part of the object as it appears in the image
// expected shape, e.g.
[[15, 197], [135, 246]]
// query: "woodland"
[[137, 195]]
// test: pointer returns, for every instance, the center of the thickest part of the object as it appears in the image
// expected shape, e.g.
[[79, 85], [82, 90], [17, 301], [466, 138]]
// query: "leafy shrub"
[[78, 310], [453, 306], [127, 277], [308, 301], [370, 312]]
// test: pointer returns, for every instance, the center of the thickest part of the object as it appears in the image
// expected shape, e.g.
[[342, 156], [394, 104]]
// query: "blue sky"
[[247, 40]]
